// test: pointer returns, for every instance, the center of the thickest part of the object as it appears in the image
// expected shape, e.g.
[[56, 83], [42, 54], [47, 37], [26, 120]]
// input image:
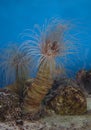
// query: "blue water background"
[[18, 15]]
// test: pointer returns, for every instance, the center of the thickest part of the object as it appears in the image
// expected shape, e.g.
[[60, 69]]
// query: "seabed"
[[54, 122]]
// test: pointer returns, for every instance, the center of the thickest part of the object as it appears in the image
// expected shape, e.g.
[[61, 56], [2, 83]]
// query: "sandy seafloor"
[[54, 122]]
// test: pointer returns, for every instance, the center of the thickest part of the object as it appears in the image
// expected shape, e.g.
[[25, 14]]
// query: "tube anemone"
[[15, 66], [49, 47]]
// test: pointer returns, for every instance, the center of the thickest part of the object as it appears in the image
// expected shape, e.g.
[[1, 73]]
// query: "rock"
[[83, 78], [9, 105], [68, 100], [19, 122], [59, 83]]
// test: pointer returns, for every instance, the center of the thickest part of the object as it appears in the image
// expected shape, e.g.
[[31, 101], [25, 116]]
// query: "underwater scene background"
[[19, 15]]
